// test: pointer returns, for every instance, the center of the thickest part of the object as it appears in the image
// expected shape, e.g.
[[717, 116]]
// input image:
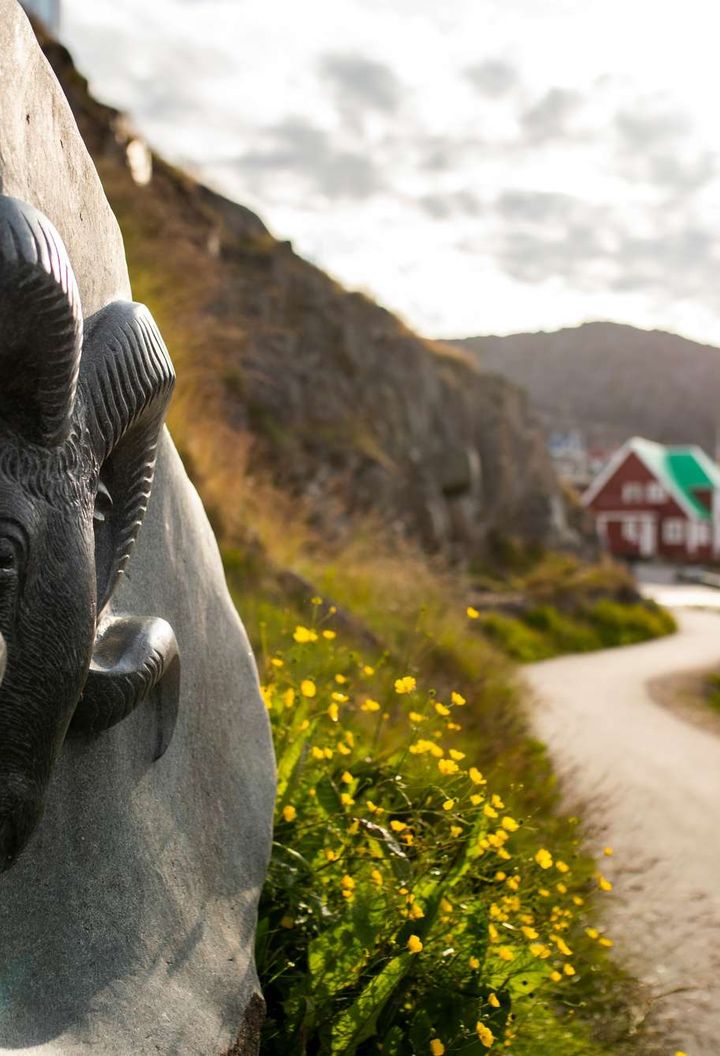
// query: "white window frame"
[[655, 492], [703, 533], [674, 531], [632, 491], [630, 531]]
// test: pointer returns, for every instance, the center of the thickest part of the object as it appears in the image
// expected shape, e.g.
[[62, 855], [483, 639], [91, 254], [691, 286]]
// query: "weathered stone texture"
[[127, 925]]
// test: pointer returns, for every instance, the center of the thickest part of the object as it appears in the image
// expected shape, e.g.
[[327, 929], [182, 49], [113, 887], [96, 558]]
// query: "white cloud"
[[477, 166]]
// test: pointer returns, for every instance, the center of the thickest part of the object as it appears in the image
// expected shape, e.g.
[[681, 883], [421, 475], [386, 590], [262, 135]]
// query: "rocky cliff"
[[612, 381], [283, 370]]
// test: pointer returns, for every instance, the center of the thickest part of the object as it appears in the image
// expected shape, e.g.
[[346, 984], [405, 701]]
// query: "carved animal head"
[[79, 423]]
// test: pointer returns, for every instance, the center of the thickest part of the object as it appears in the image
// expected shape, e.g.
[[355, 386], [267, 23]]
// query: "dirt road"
[[651, 784]]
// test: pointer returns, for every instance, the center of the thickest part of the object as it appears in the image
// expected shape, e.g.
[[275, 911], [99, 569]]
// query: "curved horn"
[[127, 378], [40, 326]]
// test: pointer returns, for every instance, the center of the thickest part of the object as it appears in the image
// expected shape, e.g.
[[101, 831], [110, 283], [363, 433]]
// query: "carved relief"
[[80, 418]]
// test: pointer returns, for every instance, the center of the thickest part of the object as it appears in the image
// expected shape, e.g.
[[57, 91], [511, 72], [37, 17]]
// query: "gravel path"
[[650, 782]]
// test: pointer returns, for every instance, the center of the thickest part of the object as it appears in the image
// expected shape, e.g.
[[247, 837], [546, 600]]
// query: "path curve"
[[650, 783]]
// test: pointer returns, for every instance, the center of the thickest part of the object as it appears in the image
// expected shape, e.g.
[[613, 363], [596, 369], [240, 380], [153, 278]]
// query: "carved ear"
[[127, 378], [40, 326]]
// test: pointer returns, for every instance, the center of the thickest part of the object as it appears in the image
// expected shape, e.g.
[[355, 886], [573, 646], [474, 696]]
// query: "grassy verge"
[[562, 605], [421, 816]]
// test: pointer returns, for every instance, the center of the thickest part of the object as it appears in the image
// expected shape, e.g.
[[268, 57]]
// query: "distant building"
[[656, 501], [47, 10]]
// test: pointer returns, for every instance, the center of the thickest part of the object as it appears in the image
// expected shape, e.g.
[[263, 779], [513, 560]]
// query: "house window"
[[703, 535], [631, 531], [655, 492], [632, 492], [674, 531]]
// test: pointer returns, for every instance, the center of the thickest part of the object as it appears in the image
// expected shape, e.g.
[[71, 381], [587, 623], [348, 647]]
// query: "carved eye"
[[103, 504], [8, 556]]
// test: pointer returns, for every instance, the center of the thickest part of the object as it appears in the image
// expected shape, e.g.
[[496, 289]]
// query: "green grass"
[[307, 925]]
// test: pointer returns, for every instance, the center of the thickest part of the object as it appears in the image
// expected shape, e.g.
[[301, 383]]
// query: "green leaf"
[[358, 1023]]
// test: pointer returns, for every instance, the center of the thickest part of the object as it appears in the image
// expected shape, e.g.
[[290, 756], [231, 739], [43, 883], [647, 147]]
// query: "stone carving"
[[80, 417]]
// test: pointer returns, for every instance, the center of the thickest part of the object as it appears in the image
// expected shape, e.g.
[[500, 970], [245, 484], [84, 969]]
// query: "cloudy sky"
[[476, 165]]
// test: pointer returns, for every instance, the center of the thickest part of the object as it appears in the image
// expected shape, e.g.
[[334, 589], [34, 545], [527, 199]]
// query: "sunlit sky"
[[479, 166]]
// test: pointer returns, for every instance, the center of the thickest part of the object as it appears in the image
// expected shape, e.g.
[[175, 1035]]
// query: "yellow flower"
[[331, 855], [316, 600], [347, 778], [529, 932], [475, 776], [441, 709], [453, 726], [568, 969], [457, 699], [266, 694], [505, 953], [447, 766], [563, 947], [562, 867], [456, 755], [304, 635], [341, 698], [405, 685], [592, 933], [472, 613], [346, 799], [474, 964], [415, 716], [370, 705], [347, 883], [277, 662], [414, 944], [289, 813], [578, 900], [368, 670], [329, 635], [544, 858], [317, 753], [604, 884], [539, 949], [493, 1000], [485, 1035], [455, 831], [308, 687], [343, 748], [513, 882], [415, 912], [446, 906], [489, 811], [476, 800], [333, 711], [398, 826], [561, 888], [448, 804], [510, 824], [377, 877], [340, 679], [606, 942], [555, 976], [607, 851], [436, 1047]]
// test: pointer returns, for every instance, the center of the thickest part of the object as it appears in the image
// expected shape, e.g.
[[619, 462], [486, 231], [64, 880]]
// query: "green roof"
[[681, 470]]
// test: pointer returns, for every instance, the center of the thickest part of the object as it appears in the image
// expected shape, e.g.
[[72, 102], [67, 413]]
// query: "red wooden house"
[[651, 500]]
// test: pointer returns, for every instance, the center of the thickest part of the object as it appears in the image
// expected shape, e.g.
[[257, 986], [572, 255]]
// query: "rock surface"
[[348, 410], [127, 925]]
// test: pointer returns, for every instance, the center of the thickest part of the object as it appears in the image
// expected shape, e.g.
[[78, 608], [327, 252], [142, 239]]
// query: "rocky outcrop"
[[127, 924], [342, 404]]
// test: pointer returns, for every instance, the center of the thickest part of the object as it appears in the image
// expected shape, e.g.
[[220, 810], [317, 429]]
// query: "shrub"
[[407, 909], [619, 624]]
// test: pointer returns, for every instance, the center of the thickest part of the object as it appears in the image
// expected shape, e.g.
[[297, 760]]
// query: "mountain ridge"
[[612, 380]]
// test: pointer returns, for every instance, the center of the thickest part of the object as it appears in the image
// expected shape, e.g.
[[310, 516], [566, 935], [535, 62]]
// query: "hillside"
[[281, 372], [612, 381]]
